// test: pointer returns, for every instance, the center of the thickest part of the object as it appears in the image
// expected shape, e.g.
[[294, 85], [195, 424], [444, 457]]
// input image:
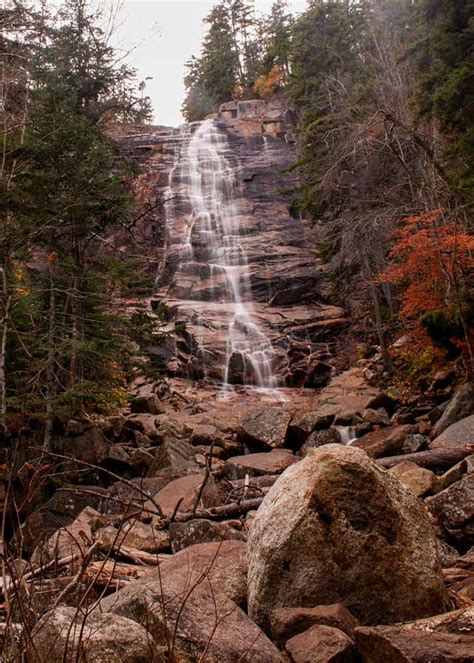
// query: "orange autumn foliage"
[[267, 84], [431, 259]]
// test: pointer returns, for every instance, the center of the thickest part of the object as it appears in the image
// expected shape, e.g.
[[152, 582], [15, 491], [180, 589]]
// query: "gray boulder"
[[459, 407], [457, 435], [64, 635], [264, 428], [337, 528], [454, 506]]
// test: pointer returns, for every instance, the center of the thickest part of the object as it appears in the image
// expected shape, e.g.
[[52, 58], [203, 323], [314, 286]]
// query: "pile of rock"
[[188, 536]]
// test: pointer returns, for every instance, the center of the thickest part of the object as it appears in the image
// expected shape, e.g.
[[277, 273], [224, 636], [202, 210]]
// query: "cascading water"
[[206, 175]]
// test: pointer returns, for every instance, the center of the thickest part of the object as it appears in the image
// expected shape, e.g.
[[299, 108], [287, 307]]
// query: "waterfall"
[[209, 247]]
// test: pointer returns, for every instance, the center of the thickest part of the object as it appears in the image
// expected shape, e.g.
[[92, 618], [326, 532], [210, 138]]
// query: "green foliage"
[[239, 47], [276, 31], [328, 86], [65, 193], [445, 328], [446, 67]]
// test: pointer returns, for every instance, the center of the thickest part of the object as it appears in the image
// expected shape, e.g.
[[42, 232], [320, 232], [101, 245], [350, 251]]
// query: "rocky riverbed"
[[248, 526]]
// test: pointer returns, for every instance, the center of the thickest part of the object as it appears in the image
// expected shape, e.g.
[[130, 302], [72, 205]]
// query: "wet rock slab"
[[269, 462]]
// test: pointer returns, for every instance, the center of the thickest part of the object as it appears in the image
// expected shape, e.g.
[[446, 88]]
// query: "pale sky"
[[166, 33]]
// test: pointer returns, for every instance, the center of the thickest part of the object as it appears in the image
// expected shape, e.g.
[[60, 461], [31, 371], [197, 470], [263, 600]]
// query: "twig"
[[219, 512], [77, 578], [176, 509], [54, 564], [135, 486], [208, 458]]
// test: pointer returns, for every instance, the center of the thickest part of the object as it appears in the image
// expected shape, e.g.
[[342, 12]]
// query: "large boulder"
[[64, 635], [337, 528], [181, 494], [459, 407], [418, 479], [318, 438], [223, 563], [91, 446], [174, 456], [150, 403], [457, 435], [383, 442], [185, 603], [136, 535], [264, 428], [304, 423]]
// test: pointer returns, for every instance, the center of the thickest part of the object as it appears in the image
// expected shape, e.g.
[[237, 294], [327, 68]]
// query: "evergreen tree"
[[198, 102], [276, 30], [220, 65], [230, 60], [446, 67], [64, 348], [325, 85]]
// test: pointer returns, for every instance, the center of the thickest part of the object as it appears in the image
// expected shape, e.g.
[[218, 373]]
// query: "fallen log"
[[113, 574], [432, 459], [137, 556], [221, 512]]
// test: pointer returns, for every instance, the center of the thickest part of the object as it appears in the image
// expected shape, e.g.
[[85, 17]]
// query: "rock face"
[[337, 528], [284, 286]]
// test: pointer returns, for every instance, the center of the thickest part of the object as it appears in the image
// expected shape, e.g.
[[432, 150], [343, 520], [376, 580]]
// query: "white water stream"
[[206, 171]]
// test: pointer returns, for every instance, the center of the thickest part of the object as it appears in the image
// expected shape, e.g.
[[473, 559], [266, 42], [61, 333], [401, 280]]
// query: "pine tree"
[[446, 88], [220, 63], [68, 192], [277, 29]]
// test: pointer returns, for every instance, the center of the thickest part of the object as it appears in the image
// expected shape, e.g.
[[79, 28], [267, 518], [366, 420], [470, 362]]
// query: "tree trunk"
[[387, 362], [432, 459], [50, 375], [3, 350], [74, 335]]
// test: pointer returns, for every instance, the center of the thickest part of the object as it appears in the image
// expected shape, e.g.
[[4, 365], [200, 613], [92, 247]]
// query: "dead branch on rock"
[[41, 570], [105, 573], [78, 577], [175, 511], [433, 459], [221, 512]]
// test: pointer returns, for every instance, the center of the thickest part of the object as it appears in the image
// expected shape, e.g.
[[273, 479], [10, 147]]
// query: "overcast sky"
[[166, 33]]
